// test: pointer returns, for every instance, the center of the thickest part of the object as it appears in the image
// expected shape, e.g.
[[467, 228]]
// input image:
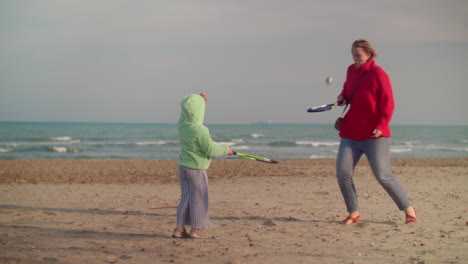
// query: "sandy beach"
[[123, 211]]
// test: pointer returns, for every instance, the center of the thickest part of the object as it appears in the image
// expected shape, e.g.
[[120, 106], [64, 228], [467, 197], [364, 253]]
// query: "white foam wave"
[[400, 150], [411, 143], [61, 138], [456, 149], [230, 143], [60, 149], [449, 148], [314, 156], [256, 135], [242, 147], [318, 143], [225, 143], [151, 143], [64, 149], [65, 139], [5, 150]]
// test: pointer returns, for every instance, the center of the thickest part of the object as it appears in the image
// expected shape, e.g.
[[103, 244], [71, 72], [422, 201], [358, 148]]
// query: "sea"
[[41, 140]]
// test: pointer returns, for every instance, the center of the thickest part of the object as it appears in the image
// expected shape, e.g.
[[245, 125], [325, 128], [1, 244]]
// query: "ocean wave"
[[68, 140], [65, 150], [434, 147], [318, 143], [455, 149], [242, 147], [151, 143], [130, 143], [315, 156], [230, 143], [256, 135], [225, 143], [65, 138], [400, 150], [5, 150], [282, 144], [45, 149], [411, 143]]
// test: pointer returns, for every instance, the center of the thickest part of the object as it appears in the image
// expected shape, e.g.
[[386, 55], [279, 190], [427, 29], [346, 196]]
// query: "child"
[[197, 149]]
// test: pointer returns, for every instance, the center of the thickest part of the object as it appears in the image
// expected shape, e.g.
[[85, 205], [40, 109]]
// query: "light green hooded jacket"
[[196, 146]]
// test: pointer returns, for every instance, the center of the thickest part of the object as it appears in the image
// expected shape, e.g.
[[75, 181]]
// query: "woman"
[[365, 130]]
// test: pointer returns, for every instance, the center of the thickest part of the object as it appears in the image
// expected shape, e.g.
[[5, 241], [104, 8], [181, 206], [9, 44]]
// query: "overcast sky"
[[133, 61]]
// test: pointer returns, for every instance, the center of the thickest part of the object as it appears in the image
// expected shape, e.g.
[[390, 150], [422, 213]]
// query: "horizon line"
[[175, 123]]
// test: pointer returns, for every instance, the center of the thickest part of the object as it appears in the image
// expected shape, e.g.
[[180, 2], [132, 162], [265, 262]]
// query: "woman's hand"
[[376, 133], [341, 100]]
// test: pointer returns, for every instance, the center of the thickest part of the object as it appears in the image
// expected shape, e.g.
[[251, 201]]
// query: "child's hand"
[[230, 153], [204, 95]]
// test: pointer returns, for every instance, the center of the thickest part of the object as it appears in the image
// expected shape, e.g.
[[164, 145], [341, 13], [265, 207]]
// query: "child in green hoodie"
[[196, 150]]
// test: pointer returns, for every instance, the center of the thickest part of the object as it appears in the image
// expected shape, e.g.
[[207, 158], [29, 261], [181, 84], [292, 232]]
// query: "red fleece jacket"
[[372, 104]]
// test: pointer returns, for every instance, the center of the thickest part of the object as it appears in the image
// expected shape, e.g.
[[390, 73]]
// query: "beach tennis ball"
[[329, 80]]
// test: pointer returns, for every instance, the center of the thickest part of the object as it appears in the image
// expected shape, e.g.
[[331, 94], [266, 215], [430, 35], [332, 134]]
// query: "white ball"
[[329, 80]]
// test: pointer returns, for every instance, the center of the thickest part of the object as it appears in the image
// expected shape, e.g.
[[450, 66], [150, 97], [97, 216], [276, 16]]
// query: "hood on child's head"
[[192, 110]]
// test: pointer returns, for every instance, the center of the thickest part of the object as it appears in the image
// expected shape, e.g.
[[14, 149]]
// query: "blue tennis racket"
[[323, 108]]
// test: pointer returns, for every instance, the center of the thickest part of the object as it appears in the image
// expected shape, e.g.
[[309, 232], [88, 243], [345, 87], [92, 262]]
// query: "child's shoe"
[[180, 234], [196, 234]]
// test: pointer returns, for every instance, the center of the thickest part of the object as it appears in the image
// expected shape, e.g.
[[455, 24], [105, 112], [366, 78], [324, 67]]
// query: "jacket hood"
[[192, 110]]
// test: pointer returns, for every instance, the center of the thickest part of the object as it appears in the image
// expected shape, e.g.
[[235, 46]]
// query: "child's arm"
[[209, 147]]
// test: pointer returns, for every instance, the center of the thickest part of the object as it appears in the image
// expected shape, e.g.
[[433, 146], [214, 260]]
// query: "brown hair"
[[367, 47]]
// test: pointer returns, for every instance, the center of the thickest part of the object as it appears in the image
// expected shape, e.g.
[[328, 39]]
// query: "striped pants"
[[193, 206]]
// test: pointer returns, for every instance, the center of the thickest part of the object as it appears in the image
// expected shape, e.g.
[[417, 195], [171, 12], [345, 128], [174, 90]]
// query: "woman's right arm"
[[341, 98]]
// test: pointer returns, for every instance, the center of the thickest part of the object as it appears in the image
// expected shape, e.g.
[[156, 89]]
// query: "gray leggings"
[[377, 152]]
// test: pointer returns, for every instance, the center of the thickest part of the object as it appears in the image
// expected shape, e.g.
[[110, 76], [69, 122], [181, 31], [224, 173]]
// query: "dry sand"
[[99, 211]]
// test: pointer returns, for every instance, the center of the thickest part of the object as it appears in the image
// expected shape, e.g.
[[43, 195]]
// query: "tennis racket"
[[323, 108], [252, 157]]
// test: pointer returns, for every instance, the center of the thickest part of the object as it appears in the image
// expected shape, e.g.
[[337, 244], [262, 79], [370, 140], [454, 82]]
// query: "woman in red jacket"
[[365, 130]]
